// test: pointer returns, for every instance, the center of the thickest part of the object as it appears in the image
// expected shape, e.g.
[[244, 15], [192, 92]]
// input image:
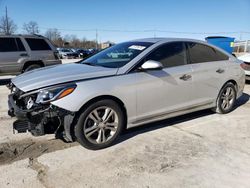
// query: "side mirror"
[[152, 65]]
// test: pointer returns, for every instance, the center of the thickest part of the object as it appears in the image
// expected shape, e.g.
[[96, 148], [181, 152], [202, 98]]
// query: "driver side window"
[[170, 54]]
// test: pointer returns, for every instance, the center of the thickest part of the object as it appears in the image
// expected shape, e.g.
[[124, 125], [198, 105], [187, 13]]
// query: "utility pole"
[[7, 21], [240, 35], [96, 39]]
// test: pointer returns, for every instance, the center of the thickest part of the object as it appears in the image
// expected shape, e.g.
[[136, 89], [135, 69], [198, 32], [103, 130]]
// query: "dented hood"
[[58, 74]]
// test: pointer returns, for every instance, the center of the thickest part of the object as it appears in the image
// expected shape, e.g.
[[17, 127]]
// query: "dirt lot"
[[196, 150]]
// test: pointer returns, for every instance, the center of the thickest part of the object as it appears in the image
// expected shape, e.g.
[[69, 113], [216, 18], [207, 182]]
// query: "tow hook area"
[[50, 121], [20, 126], [23, 126]]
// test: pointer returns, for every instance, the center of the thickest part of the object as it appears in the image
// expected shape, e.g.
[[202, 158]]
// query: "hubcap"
[[101, 125], [227, 98]]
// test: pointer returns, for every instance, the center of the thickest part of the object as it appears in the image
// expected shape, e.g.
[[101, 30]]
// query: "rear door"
[[209, 69], [40, 49], [11, 50], [164, 91]]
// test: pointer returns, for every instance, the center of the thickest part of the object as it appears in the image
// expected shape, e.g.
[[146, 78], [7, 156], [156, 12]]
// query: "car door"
[[160, 92], [40, 49], [11, 50], [209, 69]]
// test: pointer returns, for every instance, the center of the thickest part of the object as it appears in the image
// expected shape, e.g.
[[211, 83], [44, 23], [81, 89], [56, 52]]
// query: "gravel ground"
[[201, 149]]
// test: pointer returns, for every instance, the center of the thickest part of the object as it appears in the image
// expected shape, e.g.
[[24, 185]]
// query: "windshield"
[[118, 55]]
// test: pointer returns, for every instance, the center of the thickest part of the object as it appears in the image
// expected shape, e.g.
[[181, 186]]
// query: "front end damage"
[[39, 118]]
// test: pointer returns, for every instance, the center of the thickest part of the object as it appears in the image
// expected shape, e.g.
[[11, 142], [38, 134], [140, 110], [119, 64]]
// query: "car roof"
[[23, 35], [156, 40]]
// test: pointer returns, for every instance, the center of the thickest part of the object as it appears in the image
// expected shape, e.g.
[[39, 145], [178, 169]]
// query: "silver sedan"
[[126, 85]]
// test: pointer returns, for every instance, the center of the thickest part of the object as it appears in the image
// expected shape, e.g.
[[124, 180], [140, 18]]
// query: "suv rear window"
[[8, 45], [37, 44], [201, 53]]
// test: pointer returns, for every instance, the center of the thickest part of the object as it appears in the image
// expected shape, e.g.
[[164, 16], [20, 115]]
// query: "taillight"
[[245, 66]]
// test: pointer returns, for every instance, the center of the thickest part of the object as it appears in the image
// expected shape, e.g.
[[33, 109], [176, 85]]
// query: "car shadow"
[[130, 133], [242, 100]]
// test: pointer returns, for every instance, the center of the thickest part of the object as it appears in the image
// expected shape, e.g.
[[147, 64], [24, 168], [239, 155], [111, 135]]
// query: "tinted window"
[[201, 53], [20, 44], [8, 45], [170, 55], [37, 44]]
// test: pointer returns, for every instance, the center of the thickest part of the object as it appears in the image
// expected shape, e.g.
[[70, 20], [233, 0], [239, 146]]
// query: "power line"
[[150, 31], [98, 32]]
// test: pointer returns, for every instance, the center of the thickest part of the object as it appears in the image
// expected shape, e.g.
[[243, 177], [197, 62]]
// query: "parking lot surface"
[[201, 149]]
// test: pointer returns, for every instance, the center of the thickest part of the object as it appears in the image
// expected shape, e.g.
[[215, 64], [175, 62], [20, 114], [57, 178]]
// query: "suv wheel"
[[32, 67], [226, 99], [99, 125]]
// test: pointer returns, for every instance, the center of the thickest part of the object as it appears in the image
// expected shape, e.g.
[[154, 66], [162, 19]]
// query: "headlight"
[[54, 93]]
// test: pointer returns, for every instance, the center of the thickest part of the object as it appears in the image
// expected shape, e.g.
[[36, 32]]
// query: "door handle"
[[220, 71], [24, 55], [185, 77]]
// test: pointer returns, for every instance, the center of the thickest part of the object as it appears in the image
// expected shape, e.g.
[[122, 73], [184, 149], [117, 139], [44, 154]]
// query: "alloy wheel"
[[227, 98], [100, 125]]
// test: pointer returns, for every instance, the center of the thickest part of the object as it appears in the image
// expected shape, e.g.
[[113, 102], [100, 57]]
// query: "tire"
[[99, 125], [226, 99], [32, 67]]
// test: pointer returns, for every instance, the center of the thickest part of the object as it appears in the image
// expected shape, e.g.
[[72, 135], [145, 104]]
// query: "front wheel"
[[226, 99], [99, 125]]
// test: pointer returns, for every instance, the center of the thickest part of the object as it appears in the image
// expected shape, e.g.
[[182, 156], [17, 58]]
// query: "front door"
[[160, 92]]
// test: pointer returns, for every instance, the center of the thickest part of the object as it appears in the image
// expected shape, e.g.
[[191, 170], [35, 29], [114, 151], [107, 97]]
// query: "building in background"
[[106, 45], [241, 47]]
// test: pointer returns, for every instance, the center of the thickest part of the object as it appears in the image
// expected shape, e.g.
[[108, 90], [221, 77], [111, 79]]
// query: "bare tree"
[[72, 41], [53, 34], [69, 41], [31, 27], [88, 43], [7, 25]]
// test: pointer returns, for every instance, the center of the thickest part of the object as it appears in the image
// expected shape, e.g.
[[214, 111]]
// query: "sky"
[[121, 20]]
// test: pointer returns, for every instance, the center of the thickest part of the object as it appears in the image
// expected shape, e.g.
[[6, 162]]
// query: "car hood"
[[58, 74]]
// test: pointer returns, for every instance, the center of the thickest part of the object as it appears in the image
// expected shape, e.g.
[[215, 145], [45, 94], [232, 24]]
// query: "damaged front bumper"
[[41, 119]]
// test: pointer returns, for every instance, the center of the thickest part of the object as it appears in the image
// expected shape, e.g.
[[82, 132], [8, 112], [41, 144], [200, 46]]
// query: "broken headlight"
[[54, 93]]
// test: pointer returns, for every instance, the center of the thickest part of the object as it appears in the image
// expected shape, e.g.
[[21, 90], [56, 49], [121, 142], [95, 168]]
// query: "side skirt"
[[169, 115]]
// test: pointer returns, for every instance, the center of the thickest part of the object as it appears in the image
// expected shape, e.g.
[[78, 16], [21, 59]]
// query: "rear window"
[[37, 44], [8, 45], [200, 53]]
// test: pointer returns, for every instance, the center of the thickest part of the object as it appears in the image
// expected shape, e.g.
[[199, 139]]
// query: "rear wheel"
[[32, 67], [99, 125], [226, 99]]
